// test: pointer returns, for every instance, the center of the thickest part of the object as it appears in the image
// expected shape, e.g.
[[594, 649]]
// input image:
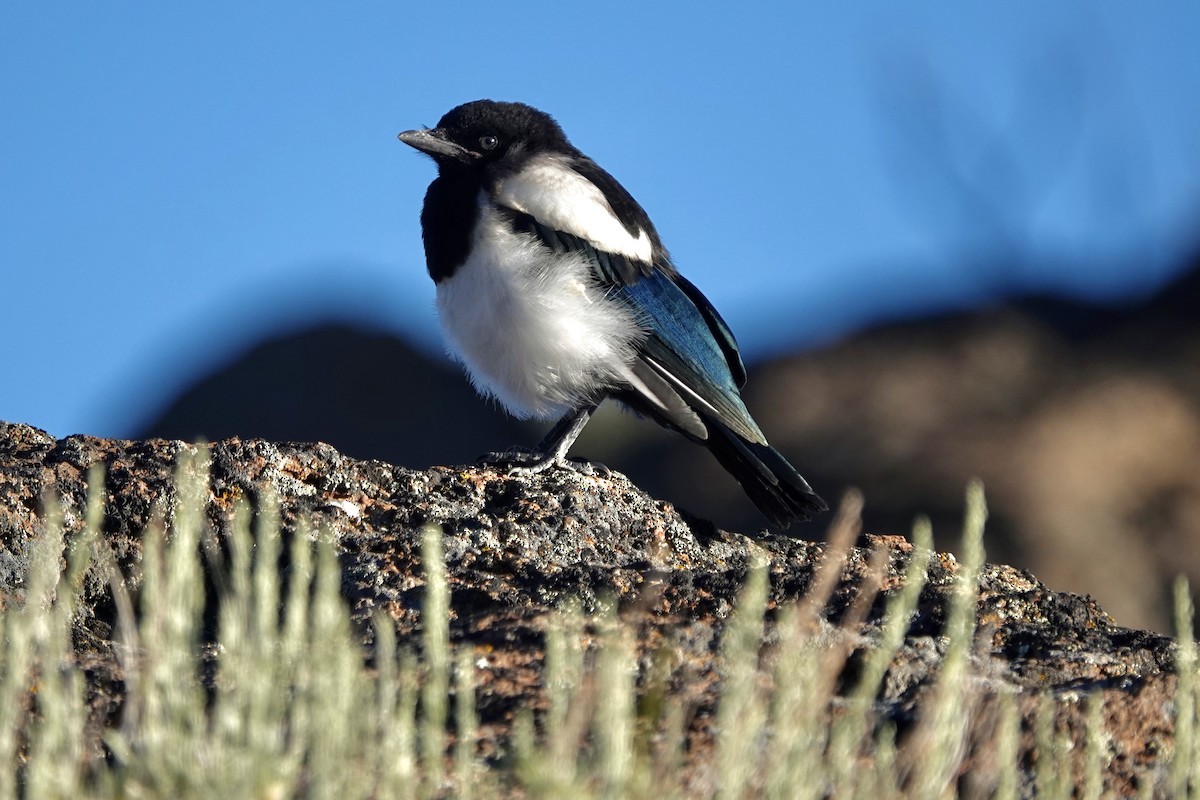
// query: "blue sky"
[[176, 180]]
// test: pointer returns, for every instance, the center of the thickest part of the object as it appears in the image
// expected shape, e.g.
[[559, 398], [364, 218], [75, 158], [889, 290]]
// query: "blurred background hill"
[[953, 241]]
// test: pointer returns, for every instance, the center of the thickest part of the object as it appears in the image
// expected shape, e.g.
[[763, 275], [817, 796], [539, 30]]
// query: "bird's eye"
[[488, 142]]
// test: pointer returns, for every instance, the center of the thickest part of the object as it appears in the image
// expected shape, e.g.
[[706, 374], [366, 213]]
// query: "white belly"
[[531, 327]]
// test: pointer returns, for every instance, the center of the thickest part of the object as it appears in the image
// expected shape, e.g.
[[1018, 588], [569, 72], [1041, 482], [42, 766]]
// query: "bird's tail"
[[772, 484]]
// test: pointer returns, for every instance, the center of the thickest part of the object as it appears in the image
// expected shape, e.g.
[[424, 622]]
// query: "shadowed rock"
[[516, 548]]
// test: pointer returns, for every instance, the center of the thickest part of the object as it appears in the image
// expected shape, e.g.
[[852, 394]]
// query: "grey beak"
[[433, 142]]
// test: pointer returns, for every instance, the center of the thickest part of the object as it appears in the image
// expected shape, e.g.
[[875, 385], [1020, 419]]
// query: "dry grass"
[[286, 704]]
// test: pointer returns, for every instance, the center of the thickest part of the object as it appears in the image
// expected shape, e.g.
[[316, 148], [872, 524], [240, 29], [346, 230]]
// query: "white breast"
[[530, 325]]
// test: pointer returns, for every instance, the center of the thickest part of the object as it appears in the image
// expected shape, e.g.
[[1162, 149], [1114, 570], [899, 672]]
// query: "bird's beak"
[[433, 142]]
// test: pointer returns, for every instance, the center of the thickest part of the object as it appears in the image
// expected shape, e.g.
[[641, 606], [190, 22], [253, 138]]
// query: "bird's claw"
[[521, 462], [578, 465], [512, 455], [538, 465], [585, 467]]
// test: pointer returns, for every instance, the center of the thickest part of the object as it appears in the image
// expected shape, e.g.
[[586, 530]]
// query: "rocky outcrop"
[[1082, 418], [516, 548]]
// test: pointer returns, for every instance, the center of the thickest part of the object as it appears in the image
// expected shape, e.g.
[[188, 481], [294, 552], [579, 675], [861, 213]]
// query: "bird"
[[555, 292]]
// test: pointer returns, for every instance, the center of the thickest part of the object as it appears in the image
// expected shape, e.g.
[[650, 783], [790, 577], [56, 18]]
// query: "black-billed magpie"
[[555, 291]]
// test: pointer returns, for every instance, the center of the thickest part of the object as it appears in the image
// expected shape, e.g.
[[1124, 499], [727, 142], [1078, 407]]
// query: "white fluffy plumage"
[[531, 327]]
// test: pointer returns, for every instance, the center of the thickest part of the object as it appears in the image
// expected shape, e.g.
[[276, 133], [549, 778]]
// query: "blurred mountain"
[[366, 392], [1083, 421]]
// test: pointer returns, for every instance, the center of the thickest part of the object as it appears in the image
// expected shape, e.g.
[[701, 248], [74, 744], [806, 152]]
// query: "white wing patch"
[[531, 326], [559, 197]]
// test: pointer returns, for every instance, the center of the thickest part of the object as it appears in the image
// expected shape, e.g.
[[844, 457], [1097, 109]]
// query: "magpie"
[[555, 292]]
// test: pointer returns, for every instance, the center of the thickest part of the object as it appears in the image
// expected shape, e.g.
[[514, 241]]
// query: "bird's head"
[[486, 134]]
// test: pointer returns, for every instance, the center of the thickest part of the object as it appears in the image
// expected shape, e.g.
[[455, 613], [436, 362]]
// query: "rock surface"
[[517, 548], [1081, 417]]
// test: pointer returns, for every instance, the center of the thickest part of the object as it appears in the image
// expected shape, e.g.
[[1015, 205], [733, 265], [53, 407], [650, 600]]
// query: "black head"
[[486, 133]]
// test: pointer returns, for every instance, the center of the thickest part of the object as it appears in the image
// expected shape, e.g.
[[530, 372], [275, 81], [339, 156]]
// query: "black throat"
[[447, 221]]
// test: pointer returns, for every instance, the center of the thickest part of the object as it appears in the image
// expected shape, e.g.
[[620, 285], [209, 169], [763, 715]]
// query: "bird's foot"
[[585, 467], [538, 463], [552, 452], [521, 461], [545, 462], [503, 458]]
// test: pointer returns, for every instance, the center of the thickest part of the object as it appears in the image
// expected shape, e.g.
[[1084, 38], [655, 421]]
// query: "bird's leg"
[[520, 453], [556, 433], [553, 449]]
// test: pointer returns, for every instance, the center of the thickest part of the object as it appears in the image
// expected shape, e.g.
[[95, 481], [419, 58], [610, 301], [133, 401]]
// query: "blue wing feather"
[[688, 344], [720, 330]]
